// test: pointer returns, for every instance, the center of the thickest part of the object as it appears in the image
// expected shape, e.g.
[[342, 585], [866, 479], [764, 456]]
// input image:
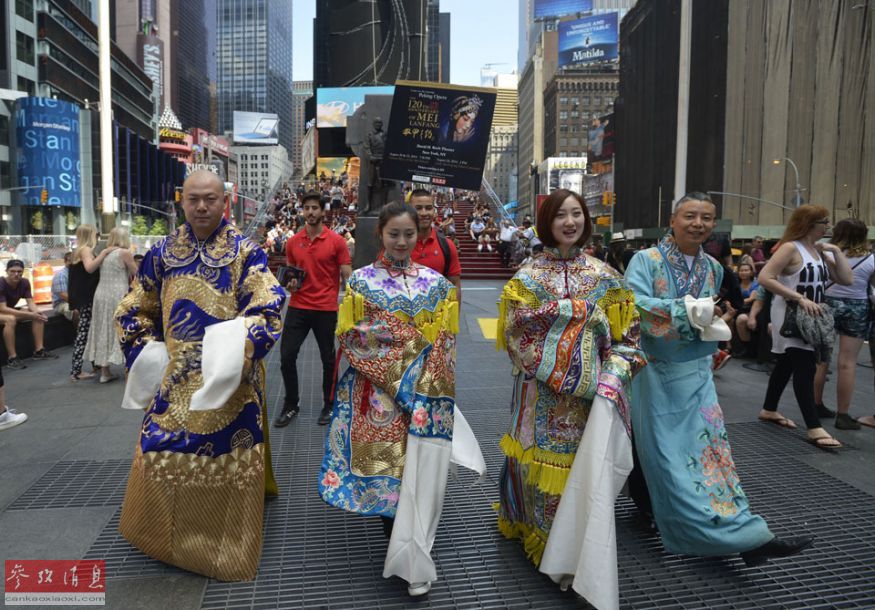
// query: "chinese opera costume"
[[195, 329], [395, 427], [681, 441], [571, 330]]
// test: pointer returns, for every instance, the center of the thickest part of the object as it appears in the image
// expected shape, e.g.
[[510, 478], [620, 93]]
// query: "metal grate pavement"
[[319, 557]]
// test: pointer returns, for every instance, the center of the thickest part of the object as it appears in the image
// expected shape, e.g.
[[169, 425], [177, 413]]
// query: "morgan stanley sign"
[[47, 133]]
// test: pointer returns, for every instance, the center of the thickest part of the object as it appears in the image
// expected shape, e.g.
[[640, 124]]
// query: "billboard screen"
[[256, 128], [588, 40], [556, 8], [334, 105], [438, 134], [47, 131], [600, 138]]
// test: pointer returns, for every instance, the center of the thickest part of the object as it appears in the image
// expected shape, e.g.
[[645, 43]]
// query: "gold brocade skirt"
[[203, 514]]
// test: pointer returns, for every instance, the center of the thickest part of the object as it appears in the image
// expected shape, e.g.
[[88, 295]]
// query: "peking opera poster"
[[438, 134]]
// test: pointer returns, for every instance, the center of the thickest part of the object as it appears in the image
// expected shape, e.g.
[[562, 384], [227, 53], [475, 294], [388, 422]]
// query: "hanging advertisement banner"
[[334, 105], [438, 134], [544, 9], [600, 140], [47, 132], [255, 128], [589, 40]]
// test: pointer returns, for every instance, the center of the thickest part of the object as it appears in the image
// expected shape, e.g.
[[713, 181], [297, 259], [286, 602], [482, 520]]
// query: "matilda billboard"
[[334, 105], [47, 132], [588, 40], [438, 134]]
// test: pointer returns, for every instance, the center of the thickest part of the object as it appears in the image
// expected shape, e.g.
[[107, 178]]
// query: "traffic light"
[[44, 196], [613, 198], [606, 198], [177, 195]]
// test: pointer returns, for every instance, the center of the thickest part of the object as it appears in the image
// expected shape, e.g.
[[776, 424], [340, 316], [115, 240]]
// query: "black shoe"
[[846, 422], [285, 418], [15, 363], [324, 416], [44, 354], [824, 411], [776, 548]]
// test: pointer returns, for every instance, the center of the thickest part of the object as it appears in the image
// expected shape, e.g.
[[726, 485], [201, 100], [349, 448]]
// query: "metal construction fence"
[[33, 249]]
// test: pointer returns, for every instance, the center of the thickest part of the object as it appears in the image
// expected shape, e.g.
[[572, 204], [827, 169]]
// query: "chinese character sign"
[[53, 582], [438, 134]]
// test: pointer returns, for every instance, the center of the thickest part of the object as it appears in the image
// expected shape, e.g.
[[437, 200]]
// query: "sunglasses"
[[821, 222]]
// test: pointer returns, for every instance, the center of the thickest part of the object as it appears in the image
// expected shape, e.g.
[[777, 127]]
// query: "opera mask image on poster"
[[47, 133]]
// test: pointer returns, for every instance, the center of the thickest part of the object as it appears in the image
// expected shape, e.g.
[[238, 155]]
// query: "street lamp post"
[[797, 198]]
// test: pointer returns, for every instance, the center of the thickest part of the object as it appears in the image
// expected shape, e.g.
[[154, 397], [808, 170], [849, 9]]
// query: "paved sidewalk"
[[66, 467]]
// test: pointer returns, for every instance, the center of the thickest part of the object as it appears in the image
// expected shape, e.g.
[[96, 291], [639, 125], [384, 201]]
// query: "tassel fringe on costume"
[[430, 324], [548, 470]]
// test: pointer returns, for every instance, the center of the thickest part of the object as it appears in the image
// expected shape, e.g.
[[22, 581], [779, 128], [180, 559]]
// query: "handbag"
[[790, 328]]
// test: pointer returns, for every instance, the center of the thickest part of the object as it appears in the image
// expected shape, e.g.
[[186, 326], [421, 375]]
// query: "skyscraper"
[[302, 90], [191, 88], [254, 61], [375, 43], [171, 41]]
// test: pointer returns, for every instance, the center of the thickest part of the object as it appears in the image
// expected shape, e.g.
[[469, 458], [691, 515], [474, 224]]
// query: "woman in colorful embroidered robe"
[[681, 442], [391, 434], [195, 495], [571, 329]]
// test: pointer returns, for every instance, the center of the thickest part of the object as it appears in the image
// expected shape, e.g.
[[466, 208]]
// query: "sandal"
[[781, 421], [826, 443], [868, 421], [82, 376]]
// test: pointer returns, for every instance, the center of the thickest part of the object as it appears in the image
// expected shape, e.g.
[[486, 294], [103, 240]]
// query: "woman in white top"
[[103, 347], [850, 307], [798, 273]]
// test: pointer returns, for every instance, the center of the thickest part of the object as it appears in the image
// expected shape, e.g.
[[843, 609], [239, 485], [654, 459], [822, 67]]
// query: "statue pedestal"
[[367, 244]]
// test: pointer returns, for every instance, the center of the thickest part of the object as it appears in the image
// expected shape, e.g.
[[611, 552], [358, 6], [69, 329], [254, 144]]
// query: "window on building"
[[24, 9], [563, 114], [4, 129], [575, 101], [24, 47], [574, 114], [563, 141], [597, 101], [26, 85], [563, 100], [5, 173], [585, 100]]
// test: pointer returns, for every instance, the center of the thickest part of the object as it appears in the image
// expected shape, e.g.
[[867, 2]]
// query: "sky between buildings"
[[482, 32]]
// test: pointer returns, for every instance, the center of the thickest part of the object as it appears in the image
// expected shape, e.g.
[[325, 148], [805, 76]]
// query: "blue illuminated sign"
[[47, 132]]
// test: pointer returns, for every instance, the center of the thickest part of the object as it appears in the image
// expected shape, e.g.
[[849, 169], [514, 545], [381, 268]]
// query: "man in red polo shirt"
[[323, 255], [430, 248]]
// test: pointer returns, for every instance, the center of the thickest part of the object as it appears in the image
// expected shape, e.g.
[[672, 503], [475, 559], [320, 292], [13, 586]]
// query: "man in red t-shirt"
[[430, 247], [324, 257]]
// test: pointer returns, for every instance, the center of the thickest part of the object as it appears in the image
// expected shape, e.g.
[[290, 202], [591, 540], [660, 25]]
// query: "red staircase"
[[476, 265]]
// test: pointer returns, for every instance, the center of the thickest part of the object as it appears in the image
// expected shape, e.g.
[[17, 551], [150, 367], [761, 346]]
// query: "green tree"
[[139, 226], [159, 227]]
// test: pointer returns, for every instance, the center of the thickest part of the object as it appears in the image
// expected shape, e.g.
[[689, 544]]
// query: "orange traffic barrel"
[[42, 284]]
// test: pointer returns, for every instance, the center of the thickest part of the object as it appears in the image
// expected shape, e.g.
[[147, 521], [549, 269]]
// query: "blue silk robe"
[[677, 423], [195, 495]]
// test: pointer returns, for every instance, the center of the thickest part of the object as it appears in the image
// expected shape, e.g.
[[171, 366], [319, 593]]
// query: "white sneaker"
[[416, 589], [10, 418]]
